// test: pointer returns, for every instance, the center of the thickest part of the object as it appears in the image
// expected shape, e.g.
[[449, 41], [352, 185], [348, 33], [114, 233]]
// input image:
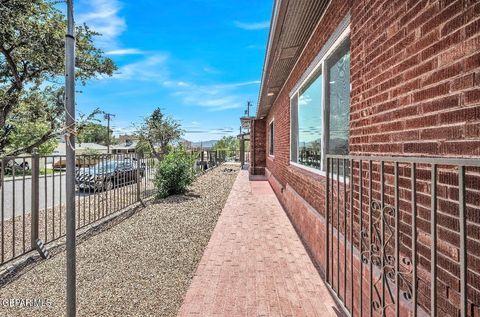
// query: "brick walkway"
[[255, 264]]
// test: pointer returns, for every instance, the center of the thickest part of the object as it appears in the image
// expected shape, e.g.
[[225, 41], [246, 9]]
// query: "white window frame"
[[271, 138], [320, 64]]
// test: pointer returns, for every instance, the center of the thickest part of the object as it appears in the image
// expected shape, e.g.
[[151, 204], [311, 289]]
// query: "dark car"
[[108, 175]]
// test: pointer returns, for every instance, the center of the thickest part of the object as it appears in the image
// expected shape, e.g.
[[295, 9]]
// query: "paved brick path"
[[255, 264]]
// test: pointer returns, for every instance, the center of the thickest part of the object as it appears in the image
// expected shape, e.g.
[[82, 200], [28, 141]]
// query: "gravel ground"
[[90, 208], [140, 267]]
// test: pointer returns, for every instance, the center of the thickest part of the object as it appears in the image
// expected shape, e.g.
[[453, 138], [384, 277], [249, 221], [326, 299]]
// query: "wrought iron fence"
[[32, 195], [210, 158], [402, 235]]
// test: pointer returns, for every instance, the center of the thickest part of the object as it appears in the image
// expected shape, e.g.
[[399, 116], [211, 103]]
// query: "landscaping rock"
[[140, 267]]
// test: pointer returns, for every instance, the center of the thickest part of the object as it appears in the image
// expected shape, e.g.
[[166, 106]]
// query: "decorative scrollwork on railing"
[[377, 249]]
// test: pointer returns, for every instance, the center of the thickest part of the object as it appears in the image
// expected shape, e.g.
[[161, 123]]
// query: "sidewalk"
[[255, 264]]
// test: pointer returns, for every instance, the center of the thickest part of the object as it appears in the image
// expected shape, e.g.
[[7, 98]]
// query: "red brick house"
[[368, 130]]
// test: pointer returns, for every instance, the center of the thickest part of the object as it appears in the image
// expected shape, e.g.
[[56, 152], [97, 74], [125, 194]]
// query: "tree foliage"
[[32, 55], [94, 132], [143, 147], [229, 143], [159, 131]]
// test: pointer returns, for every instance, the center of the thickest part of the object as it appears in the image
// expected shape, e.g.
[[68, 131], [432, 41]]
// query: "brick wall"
[[415, 75], [415, 78], [258, 135]]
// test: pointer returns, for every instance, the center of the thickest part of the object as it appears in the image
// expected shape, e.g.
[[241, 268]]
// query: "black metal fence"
[[32, 195], [210, 158], [402, 235]]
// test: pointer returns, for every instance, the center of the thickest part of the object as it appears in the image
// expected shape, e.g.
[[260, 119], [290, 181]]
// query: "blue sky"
[[198, 60]]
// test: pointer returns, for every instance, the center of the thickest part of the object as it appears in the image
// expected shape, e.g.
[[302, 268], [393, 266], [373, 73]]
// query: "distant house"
[[124, 138], [124, 148], [58, 160], [80, 148]]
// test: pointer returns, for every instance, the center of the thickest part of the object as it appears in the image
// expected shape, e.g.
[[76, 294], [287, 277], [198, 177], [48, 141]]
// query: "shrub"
[[174, 174]]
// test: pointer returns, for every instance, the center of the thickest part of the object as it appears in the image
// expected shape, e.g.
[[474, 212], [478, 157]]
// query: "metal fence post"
[[139, 177], [35, 198]]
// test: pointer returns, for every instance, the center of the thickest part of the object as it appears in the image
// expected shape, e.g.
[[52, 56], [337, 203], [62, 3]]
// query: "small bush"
[[174, 174]]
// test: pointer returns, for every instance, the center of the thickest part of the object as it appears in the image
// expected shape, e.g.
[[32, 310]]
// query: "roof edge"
[[266, 61]]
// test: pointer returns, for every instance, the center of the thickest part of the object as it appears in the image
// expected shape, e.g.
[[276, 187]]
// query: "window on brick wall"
[[320, 109], [310, 122], [271, 143], [338, 99]]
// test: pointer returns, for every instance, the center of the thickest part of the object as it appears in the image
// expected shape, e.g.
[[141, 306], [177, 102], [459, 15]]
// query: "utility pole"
[[70, 132], [247, 113], [108, 116]]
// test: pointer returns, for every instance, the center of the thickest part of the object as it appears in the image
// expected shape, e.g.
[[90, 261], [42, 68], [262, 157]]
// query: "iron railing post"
[[327, 224], [35, 200], [463, 242], [139, 177]]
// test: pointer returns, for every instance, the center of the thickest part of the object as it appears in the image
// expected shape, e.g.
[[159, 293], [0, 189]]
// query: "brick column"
[[258, 135]]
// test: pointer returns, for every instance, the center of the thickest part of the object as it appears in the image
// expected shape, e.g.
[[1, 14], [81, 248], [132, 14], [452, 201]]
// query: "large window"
[[310, 122], [320, 109]]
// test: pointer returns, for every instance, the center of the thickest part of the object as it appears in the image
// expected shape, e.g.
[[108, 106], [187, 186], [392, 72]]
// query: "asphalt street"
[[52, 193]]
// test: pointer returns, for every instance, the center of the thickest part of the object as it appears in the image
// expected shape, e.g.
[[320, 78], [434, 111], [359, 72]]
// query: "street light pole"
[[70, 132], [108, 116]]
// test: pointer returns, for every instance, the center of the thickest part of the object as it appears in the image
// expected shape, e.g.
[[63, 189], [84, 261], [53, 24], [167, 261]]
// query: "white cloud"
[[252, 25], [125, 51], [211, 70], [174, 84], [125, 128], [216, 103], [240, 84], [103, 16], [215, 97], [152, 68]]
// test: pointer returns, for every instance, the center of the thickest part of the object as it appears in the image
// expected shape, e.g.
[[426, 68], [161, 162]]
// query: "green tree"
[[94, 133], [158, 131], [143, 147], [229, 143], [32, 50]]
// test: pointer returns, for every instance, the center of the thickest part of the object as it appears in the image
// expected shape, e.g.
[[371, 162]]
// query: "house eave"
[[293, 23]]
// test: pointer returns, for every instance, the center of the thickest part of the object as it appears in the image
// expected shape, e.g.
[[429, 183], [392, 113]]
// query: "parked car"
[[108, 175], [17, 166]]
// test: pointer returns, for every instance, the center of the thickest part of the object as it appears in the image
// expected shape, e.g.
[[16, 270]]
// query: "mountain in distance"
[[204, 144]]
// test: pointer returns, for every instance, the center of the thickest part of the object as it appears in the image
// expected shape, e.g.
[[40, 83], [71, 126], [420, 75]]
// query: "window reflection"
[[339, 99], [310, 123], [324, 93]]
